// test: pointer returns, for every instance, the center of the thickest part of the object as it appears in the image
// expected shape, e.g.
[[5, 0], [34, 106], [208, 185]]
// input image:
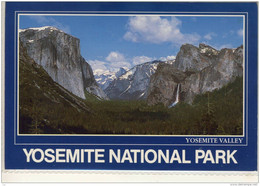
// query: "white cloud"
[[99, 67], [224, 46], [167, 58], [39, 19], [141, 59], [219, 46], [163, 58], [194, 19], [49, 21], [227, 34], [113, 62], [240, 32], [155, 29], [210, 35], [115, 66], [100, 72], [115, 57], [171, 57], [117, 60]]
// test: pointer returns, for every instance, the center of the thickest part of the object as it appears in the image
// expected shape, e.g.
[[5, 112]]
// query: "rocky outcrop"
[[59, 54], [194, 59], [163, 84], [133, 84], [197, 70]]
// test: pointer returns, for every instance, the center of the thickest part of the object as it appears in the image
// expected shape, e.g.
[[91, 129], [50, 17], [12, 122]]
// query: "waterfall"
[[177, 97]]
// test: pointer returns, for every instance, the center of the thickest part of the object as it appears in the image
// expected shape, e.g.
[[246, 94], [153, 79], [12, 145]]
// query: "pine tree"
[[208, 120], [36, 116], [221, 130]]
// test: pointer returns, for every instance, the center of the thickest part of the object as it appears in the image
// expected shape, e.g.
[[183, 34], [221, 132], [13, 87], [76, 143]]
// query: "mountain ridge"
[[133, 84], [107, 77]]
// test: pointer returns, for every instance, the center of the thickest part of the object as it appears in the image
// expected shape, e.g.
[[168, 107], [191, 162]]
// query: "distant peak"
[[45, 29], [41, 28], [187, 45], [123, 69], [120, 72], [208, 50], [241, 46], [203, 45], [156, 61]]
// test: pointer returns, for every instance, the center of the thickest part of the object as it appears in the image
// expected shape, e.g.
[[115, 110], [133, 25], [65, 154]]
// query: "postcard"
[[129, 91]]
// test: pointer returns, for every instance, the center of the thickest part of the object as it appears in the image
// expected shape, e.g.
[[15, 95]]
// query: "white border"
[[66, 176], [179, 14]]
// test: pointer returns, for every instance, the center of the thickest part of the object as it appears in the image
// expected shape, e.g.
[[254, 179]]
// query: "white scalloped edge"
[[128, 176]]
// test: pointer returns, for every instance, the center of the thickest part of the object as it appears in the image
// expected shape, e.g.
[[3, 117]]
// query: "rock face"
[[197, 70], [133, 84], [191, 58], [163, 84], [59, 54], [39, 96]]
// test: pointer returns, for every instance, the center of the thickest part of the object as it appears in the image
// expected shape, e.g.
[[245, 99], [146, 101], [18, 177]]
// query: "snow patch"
[[40, 28], [127, 74], [126, 89], [141, 95], [208, 50], [170, 62]]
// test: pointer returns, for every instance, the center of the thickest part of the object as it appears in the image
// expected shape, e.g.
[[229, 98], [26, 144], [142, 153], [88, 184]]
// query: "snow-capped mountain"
[[133, 84], [105, 78], [120, 72]]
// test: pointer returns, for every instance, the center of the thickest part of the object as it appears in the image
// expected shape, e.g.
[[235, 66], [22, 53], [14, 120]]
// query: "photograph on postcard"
[[131, 75]]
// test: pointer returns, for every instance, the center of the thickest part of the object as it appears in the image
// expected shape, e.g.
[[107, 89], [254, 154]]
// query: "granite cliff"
[[59, 54], [197, 70], [44, 105]]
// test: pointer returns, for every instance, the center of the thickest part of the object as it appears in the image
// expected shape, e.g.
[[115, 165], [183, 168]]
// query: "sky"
[[111, 42]]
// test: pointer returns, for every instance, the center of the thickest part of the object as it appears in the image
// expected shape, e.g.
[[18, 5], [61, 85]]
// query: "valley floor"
[[216, 113]]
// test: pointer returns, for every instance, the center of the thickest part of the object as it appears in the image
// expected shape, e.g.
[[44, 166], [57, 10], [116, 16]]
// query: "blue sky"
[[110, 42]]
